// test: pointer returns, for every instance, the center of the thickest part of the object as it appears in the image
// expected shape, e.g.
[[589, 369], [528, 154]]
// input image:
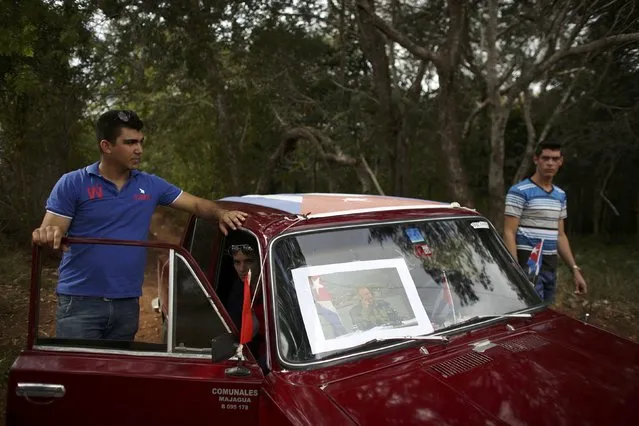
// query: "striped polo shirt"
[[539, 212]]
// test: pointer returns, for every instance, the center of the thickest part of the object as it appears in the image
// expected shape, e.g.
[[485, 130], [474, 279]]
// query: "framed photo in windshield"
[[347, 304]]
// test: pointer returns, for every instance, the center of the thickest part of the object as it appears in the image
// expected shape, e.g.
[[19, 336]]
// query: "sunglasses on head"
[[244, 248], [124, 116]]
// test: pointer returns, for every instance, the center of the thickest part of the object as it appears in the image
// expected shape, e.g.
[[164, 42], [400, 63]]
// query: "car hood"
[[538, 377]]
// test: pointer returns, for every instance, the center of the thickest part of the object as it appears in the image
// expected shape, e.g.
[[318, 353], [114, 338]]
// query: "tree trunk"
[[531, 137], [450, 140], [224, 131], [373, 45], [498, 118], [597, 209], [401, 167], [637, 213], [448, 66], [447, 61]]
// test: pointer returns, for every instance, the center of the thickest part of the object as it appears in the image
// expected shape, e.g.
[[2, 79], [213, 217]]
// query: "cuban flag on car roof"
[[534, 261], [326, 205]]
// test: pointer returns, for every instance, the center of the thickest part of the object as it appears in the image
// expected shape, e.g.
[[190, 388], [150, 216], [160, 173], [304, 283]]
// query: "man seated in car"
[[369, 312], [245, 259]]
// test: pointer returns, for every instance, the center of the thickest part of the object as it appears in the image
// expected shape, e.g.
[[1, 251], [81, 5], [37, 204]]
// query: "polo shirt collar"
[[94, 169]]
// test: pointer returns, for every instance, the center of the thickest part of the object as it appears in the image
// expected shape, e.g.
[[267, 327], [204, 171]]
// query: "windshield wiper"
[[435, 339], [428, 338], [478, 318]]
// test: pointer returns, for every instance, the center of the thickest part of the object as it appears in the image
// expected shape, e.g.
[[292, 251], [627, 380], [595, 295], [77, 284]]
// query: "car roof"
[[315, 205], [335, 206]]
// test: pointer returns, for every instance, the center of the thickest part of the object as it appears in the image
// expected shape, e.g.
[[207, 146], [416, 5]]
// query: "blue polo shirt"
[[98, 210]]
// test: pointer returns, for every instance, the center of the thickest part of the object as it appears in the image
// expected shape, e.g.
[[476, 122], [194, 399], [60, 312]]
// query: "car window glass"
[[72, 316], [196, 319], [195, 322], [205, 234]]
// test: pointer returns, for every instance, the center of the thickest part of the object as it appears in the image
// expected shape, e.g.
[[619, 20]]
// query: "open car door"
[[169, 380]]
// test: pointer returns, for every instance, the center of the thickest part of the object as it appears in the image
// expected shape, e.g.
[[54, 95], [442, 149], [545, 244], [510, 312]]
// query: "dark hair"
[[552, 145], [111, 122]]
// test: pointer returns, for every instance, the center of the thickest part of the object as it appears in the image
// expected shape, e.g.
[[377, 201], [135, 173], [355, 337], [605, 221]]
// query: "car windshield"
[[338, 289]]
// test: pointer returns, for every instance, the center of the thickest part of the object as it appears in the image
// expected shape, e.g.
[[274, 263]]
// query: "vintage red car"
[[371, 310]]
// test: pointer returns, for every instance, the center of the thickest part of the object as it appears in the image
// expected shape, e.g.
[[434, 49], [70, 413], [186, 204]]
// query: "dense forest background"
[[434, 99]]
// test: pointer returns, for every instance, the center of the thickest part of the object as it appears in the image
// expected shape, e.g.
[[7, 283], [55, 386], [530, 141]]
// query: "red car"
[[367, 310]]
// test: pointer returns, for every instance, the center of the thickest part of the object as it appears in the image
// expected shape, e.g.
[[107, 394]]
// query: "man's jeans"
[[545, 286], [84, 317]]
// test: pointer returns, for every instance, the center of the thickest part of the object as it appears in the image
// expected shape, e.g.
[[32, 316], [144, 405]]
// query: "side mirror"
[[223, 347]]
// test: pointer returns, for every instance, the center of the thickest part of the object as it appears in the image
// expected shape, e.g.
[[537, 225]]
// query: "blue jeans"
[[545, 286], [85, 317]]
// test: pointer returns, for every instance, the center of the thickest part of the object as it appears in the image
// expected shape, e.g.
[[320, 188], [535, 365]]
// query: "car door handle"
[[42, 390]]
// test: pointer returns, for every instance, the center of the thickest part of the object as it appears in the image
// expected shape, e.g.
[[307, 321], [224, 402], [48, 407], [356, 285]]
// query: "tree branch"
[[602, 193], [558, 110], [492, 56], [371, 174], [364, 93], [471, 118], [546, 64], [416, 88], [530, 137], [396, 36], [612, 206], [326, 149]]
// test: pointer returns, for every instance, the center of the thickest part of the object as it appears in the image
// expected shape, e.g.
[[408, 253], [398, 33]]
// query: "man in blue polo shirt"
[[99, 285], [535, 213]]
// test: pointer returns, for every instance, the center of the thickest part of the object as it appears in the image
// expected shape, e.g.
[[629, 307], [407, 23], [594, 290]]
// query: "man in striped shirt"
[[535, 211]]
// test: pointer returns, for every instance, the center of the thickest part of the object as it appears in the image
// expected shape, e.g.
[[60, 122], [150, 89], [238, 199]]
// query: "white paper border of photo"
[[312, 321]]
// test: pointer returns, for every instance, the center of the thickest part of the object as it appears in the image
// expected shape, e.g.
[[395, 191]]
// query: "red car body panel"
[[529, 377], [113, 390], [548, 369]]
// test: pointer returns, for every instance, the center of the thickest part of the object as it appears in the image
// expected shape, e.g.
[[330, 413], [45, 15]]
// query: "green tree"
[[43, 89]]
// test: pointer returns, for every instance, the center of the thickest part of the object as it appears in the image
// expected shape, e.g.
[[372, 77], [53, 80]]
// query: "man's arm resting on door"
[[208, 209]]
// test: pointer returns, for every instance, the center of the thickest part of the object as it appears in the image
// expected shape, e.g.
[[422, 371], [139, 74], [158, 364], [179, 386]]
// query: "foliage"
[[289, 96], [42, 94]]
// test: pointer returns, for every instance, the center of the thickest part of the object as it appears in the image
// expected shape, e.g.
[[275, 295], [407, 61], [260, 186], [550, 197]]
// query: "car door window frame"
[[173, 305], [210, 254], [37, 342]]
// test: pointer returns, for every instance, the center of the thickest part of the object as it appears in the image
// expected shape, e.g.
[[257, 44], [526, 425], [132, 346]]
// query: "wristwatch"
[[575, 268]]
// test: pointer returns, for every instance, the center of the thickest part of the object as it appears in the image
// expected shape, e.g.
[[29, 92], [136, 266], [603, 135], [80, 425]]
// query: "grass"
[[612, 275]]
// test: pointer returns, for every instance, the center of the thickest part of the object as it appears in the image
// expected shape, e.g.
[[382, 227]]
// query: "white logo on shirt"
[[141, 191]]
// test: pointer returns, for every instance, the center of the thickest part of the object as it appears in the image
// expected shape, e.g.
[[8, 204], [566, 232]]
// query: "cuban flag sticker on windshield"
[[422, 251], [414, 235]]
